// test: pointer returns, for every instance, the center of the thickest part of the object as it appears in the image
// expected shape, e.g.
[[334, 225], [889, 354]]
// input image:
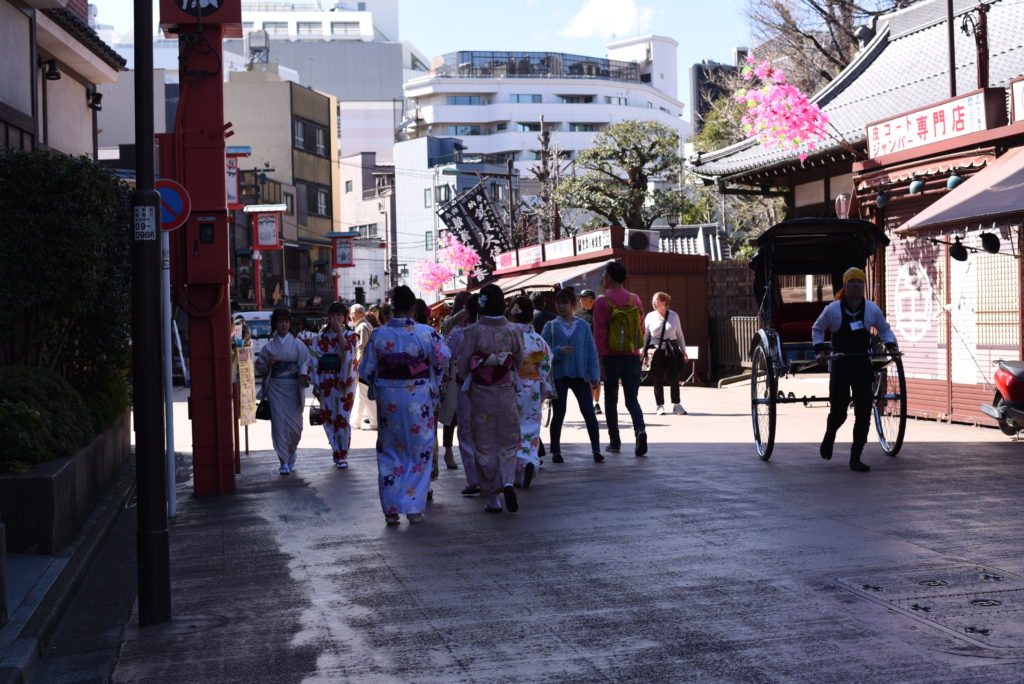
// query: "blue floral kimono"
[[404, 365]]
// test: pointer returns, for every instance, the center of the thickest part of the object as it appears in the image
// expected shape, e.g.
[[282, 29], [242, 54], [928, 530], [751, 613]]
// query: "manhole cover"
[[973, 603]]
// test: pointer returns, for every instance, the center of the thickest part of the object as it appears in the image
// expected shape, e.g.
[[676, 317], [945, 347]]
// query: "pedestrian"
[[333, 352], [463, 409], [619, 335], [543, 311], [366, 410], [535, 385], [448, 414], [384, 314], [284, 361], [489, 358], [586, 312], [575, 368], [404, 366], [457, 314], [421, 312], [665, 350], [850, 319], [300, 329]]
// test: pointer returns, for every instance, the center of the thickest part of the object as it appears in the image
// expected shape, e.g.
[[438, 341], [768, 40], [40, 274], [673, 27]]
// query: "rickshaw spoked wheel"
[[890, 406], [763, 394]]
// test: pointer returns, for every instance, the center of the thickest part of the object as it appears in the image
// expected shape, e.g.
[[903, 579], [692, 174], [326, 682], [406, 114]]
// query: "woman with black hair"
[[285, 361], [333, 353], [489, 359], [404, 365], [535, 385]]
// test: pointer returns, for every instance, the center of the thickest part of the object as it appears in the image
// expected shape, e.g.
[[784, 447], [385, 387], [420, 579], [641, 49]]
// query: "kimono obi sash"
[[402, 366], [284, 370], [329, 363], [492, 369], [531, 363]]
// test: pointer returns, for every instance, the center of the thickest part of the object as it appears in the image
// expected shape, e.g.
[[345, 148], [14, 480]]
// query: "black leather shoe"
[[827, 442], [615, 445], [598, 458], [858, 467], [470, 490], [557, 458], [528, 474], [641, 444]]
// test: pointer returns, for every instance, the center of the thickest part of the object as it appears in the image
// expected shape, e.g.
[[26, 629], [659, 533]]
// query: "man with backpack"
[[618, 332]]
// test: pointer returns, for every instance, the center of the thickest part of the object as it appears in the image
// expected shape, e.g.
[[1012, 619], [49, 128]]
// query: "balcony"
[[475, 64]]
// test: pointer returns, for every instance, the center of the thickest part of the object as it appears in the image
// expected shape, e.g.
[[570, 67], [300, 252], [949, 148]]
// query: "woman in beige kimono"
[[489, 358]]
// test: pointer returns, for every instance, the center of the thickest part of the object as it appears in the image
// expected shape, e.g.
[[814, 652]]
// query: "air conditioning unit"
[[641, 240]]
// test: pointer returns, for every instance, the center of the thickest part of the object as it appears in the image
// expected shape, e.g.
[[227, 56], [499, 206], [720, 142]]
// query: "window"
[[583, 127], [523, 127], [300, 134], [443, 193], [532, 99], [348, 186], [344, 28], [321, 141], [368, 230], [289, 203], [276, 28], [309, 28], [576, 99], [650, 105], [608, 99], [323, 201], [428, 197], [645, 78], [246, 27], [429, 242], [463, 130], [502, 127], [465, 100]]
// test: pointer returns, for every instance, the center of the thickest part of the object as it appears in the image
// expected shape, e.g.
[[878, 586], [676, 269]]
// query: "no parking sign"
[[175, 204]]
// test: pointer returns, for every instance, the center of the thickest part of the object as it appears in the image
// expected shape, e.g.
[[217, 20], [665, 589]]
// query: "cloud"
[[607, 18]]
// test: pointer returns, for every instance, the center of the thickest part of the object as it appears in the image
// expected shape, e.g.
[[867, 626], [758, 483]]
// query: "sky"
[[704, 29]]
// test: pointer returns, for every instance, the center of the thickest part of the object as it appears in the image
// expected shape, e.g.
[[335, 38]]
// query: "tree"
[[626, 158], [722, 125], [813, 40]]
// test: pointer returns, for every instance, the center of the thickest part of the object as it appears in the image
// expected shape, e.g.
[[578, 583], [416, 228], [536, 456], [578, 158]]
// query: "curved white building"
[[494, 101]]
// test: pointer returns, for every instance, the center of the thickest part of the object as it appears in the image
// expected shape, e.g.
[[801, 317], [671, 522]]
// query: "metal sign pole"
[[165, 301]]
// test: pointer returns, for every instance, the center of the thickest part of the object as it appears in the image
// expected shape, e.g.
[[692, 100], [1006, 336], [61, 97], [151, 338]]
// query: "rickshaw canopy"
[[808, 246]]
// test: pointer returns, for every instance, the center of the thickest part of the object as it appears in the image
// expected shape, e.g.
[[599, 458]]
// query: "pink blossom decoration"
[[430, 276], [457, 256], [777, 113]]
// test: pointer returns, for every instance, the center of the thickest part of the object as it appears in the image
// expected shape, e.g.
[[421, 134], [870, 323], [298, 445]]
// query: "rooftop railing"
[[474, 64]]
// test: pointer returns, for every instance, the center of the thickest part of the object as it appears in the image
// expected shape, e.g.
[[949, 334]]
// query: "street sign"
[[175, 204]]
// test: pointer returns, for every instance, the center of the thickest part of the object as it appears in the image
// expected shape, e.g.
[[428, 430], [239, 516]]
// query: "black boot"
[[826, 444], [855, 463]]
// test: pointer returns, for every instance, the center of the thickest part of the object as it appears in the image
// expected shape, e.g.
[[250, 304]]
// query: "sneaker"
[[641, 444], [597, 407], [341, 464], [415, 518], [598, 457], [660, 411], [679, 410], [284, 469], [391, 518], [615, 445]]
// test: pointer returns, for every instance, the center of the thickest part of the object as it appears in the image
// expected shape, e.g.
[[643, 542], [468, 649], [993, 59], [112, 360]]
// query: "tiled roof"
[[904, 67], [81, 30]]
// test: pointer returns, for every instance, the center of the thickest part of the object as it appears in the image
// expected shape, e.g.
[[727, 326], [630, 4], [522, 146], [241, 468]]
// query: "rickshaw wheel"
[[890, 406], [763, 387]]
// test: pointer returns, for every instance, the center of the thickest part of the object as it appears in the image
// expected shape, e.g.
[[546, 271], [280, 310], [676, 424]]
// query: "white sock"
[[495, 502]]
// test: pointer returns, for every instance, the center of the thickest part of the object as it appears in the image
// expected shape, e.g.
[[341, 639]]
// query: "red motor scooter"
[[1008, 404]]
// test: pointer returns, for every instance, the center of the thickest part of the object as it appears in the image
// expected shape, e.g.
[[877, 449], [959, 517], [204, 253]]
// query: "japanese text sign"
[[559, 249], [594, 241], [531, 255], [266, 231], [959, 116], [342, 251], [507, 260]]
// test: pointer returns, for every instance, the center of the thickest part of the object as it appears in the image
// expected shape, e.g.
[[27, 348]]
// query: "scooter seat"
[[1014, 368]]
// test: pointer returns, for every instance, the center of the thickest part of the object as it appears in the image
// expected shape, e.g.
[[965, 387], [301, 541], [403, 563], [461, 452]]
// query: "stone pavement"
[[699, 563]]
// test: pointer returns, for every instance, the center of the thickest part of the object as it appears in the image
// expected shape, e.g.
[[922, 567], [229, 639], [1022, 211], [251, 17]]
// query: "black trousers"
[[580, 388], [665, 366], [851, 377], [448, 434]]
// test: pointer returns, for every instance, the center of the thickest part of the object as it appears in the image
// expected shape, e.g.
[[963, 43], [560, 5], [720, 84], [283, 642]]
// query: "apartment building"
[[497, 102]]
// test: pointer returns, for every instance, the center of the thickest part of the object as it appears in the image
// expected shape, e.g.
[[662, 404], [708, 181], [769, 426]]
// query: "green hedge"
[[42, 417], [66, 267]]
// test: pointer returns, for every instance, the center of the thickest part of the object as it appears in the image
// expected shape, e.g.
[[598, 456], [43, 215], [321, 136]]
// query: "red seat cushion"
[[793, 321]]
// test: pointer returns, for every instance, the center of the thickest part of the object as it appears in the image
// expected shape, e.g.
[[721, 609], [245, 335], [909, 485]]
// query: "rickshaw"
[[823, 249]]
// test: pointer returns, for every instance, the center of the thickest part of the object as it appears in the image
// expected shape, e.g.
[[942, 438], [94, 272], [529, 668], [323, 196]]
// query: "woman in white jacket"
[[665, 347]]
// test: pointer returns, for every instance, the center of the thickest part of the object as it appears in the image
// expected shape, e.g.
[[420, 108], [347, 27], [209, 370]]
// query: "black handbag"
[[263, 409], [646, 372], [314, 414]]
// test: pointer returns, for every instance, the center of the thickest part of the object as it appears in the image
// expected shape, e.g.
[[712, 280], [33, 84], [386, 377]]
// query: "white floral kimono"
[[404, 366], [535, 385], [333, 376], [282, 386]]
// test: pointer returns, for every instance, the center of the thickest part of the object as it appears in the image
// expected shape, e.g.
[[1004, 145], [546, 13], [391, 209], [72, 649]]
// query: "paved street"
[[700, 563]]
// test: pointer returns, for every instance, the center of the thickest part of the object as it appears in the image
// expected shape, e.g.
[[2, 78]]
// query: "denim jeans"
[[580, 388], [627, 370]]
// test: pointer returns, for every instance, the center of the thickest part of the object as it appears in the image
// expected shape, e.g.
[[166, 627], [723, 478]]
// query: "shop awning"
[[994, 193], [560, 277]]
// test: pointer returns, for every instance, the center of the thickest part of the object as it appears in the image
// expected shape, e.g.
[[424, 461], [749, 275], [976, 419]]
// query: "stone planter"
[[43, 510]]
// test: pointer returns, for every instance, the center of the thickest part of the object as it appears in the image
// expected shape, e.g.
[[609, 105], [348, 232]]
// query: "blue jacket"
[[582, 363]]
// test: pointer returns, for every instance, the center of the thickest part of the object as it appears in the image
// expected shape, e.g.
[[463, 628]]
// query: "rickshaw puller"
[[850, 319]]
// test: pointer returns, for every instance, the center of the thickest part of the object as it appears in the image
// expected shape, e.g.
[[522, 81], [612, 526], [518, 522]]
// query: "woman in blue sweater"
[[575, 368]]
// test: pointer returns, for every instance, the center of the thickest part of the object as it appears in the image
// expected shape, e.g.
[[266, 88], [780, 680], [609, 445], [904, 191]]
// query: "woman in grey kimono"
[[285, 362], [489, 358]]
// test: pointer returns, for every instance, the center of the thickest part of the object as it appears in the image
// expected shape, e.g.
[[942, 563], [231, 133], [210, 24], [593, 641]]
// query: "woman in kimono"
[[285, 362], [535, 385], [333, 354], [489, 358], [404, 366], [463, 410]]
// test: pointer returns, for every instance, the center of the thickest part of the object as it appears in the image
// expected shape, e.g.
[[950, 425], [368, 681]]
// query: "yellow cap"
[[853, 274]]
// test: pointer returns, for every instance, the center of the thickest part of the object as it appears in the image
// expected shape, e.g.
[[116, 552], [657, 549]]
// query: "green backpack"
[[625, 331]]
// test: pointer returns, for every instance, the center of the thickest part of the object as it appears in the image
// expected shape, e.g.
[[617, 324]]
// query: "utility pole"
[[511, 206]]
